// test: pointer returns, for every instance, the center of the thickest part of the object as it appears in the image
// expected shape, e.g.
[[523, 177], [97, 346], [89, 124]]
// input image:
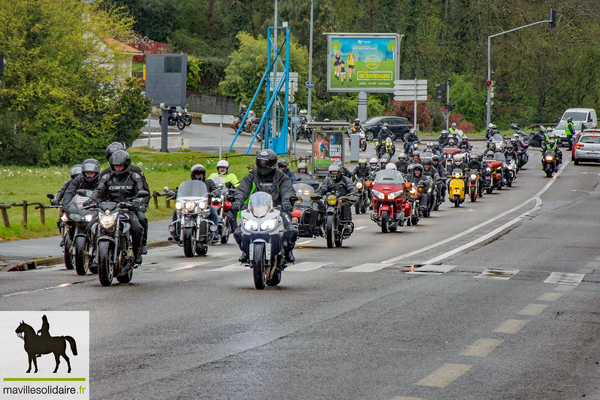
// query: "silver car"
[[587, 148]]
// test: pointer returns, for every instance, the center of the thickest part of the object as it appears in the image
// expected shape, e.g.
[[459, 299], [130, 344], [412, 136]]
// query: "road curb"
[[33, 264]]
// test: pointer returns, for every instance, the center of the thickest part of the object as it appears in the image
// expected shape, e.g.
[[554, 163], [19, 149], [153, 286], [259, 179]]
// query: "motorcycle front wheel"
[[363, 145], [259, 267], [329, 231], [81, 255], [180, 124], [473, 193], [105, 256], [188, 243], [188, 120], [68, 257], [385, 220]]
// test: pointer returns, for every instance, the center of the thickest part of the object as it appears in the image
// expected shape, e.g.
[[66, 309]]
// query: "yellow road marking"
[[445, 375], [564, 288], [482, 347], [550, 296], [511, 326], [533, 309]]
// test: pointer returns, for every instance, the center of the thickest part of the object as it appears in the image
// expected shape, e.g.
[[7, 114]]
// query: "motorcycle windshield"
[[549, 153], [191, 188], [303, 190], [389, 177], [260, 204], [499, 157], [497, 138]]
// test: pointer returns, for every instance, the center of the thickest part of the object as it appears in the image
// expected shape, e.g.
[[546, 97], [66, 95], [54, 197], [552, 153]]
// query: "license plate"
[[592, 154]]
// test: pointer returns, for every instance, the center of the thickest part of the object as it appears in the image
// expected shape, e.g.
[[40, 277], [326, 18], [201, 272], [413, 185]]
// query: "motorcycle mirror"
[[50, 196], [293, 199], [142, 193], [81, 192], [166, 189]]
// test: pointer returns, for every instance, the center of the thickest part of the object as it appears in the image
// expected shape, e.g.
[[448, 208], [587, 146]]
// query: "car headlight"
[[202, 205], [250, 225], [549, 158], [107, 221], [89, 217], [190, 205], [64, 217], [359, 185], [268, 225], [178, 205], [331, 200], [473, 177]]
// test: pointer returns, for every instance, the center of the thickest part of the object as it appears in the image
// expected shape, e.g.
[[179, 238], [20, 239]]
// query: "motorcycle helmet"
[[489, 154], [373, 162], [304, 166], [453, 125], [223, 164], [430, 145], [384, 160], [75, 171], [120, 157], [385, 126], [479, 156], [303, 112], [282, 165], [335, 172], [243, 107], [494, 127], [464, 139], [391, 166], [493, 146], [326, 120], [416, 154], [362, 162], [570, 119], [427, 161], [509, 146], [451, 142], [435, 158], [113, 147], [457, 159], [357, 121], [490, 126], [417, 167], [444, 132], [196, 170], [265, 162], [402, 157], [411, 131], [91, 165]]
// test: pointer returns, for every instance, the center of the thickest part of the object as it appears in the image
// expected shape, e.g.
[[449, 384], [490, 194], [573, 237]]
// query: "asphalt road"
[[472, 303]]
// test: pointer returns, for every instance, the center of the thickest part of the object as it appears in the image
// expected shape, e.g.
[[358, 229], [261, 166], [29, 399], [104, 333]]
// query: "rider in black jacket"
[[267, 178], [362, 171], [336, 182], [75, 171], [88, 179]]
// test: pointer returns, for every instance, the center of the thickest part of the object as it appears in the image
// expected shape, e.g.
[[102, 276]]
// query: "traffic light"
[[552, 23], [2, 64], [492, 87], [441, 91], [450, 107]]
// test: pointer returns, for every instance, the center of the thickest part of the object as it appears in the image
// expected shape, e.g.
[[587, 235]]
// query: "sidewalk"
[[19, 251]]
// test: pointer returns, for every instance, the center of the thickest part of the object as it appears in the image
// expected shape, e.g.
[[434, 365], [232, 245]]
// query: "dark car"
[[398, 125]]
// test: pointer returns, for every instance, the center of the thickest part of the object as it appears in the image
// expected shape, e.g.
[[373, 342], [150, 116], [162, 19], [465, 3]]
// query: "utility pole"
[[274, 109], [552, 24], [310, 50]]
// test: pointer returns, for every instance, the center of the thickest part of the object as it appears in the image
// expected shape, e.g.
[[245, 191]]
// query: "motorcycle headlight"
[[107, 221], [190, 205], [331, 200], [473, 177], [413, 191], [549, 158], [250, 225], [64, 217], [393, 195], [359, 185], [488, 170], [457, 176], [510, 167], [268, 225], [381, 196], [429, 190], [202, 205], [178, 206], [89, 217]]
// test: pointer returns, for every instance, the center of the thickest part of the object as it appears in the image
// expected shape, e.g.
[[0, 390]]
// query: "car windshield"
[[373, 120], [389, 177], [595, 139], [260, 204], [577, 116], [192, 189]]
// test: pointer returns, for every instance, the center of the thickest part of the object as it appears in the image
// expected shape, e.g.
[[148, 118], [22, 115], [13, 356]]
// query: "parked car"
[[583, 118], [560, 130], [398, 125], [587, 148]]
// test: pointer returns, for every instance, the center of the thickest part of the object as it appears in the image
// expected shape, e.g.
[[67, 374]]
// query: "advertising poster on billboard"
[[362, 63], [327, 149]]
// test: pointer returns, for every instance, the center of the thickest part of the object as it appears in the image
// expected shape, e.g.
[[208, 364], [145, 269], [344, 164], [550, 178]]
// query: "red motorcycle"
[[493, 176], [223, 206], [390, 208]]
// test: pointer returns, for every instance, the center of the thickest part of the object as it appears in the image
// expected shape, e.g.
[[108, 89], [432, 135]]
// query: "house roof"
[[121, 47]]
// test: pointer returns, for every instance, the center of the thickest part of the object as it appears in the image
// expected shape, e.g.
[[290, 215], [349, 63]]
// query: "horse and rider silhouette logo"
[[40, 343]]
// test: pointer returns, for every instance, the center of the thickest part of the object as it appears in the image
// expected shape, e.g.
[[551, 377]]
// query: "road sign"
[[309, 84], [293, 81], [406, 90], [217, 119], [410, 98], [410, 82], [420, 92]]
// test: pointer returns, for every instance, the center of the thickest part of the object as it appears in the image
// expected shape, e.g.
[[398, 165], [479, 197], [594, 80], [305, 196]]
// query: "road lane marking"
[[565, 278], [407, 398], [436, 269], [306, 266], [62, 285], [533, 309], [593, 264], [188, 266], [585, 271], [369, 267], [498, 273], [597, 258], [444, 376], [482, 347], [441, 257], [359, 228], [231, 268], [511, 326], [550, 296], [564, 288], [305, 242]]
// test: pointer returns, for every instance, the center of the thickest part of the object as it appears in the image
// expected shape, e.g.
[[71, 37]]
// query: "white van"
[[583, 118]]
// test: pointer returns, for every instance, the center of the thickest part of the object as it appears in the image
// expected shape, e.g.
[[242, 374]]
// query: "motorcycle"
[[303, 131], [335, 230], [77, 243], [187, 118], [474, 182], [456, 187], [363, 200], [511, 173], [112, 246], [493, 176], [390, 207], [413, 197], [306, 214], [223, 206], [362, 142], [388, 147], [498, 142], [248, 124], [262, 227], [549, 162], [175, 118], [194, 231]]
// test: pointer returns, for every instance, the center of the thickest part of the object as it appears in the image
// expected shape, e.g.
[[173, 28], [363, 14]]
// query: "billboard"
[[362, 62], [166, 79], [327, 148]]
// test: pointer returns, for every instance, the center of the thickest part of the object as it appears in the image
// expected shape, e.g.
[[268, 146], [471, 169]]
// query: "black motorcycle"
[[335, 230], [307, 214], [77, 241], [549, 162], [303, 131], [363, 200], [175, 118]]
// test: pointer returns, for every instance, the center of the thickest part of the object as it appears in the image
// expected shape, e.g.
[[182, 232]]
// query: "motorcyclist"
[[356, 126], [343, 185], [402, 163], [384, 161], [230, 180], [458, 163], [373, 165], [435, 162], [283, 167], [443, 139], [510, 152], [242, 112], [415, 177], [345, 171], [141, 213], [453, 128], [88, 179], [303, 169], [410, 138], [490, 131], [570, 131], [266, 177], [451, 144], [383, 134], [552, 144], [464, 144], [122, 184], [362, 171], [74, 172]]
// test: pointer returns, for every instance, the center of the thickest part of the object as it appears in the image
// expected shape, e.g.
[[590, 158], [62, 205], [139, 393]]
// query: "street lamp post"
[[310, 50], [552, 22]]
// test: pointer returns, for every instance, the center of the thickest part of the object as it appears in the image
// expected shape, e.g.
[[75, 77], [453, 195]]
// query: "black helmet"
[[570, 119], [427, 161], [119, 158], [435, 158], [265, 162], [91, 165], [75, 171], [480, 156], [114, 146], [417, 167], [282, 164], [338, 172], [198, 169]]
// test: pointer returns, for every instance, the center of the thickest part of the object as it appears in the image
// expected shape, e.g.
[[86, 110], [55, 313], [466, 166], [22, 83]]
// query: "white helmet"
[[391, 166], [490, 125], [223, 163], [457, 159], [373, 160]]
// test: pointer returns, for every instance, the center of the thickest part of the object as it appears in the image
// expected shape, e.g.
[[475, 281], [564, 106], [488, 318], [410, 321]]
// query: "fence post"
[[42, 215], [167, 202], [24, 213], [155, 196], [5, 217]]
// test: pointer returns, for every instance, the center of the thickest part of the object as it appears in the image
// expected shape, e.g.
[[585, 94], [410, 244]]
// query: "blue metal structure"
[[279, 141]]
